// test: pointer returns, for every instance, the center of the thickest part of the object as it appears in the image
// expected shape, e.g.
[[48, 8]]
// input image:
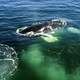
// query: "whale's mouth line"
[[41, 28]]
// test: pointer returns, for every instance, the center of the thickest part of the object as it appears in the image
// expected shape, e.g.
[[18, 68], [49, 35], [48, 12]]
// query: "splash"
[[8, 61]]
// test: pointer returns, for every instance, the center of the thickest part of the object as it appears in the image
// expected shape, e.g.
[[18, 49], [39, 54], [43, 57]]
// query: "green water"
[[58, 59]]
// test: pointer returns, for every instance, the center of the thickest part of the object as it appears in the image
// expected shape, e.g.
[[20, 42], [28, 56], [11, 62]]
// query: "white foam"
[[8, 61], [63, 20]]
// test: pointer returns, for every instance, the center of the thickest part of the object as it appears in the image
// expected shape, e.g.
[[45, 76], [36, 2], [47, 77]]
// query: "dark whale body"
[[34, 28], [46, 26]]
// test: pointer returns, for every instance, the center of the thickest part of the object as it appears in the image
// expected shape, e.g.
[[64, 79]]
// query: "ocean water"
[[18, 13]]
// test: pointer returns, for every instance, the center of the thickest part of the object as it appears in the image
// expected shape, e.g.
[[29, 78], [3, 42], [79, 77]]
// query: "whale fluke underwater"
[[40, 28]]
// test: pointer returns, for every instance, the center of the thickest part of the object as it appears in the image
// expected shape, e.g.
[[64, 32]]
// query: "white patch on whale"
[[73, 30], [49, 38]]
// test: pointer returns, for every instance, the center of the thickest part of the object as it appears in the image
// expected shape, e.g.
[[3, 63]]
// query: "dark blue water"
[[18, 13]]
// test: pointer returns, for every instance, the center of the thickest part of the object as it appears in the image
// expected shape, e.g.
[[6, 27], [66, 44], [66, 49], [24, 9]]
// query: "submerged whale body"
[[38, 29]]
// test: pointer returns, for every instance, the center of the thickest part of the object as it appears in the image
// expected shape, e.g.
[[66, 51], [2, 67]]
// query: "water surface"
[[19, 13]]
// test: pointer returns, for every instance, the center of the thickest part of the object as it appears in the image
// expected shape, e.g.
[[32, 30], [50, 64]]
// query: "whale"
[[40, 28]]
